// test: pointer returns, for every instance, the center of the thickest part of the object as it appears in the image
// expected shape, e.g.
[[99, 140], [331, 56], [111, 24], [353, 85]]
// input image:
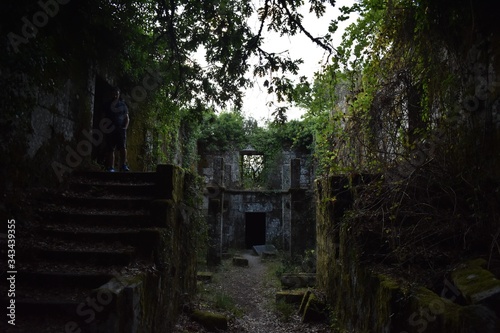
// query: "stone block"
[[290, 296], [204, 276], [269, 249], [211, 321], [240, 261], [298, 280], [313, 307], [476, 284], [268, 255]]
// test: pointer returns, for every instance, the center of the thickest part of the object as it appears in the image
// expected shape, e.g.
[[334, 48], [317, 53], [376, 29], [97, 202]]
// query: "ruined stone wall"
[[147, 297], [364, 298], [53, 127], [239, 203], [287, 202], [45, 123]]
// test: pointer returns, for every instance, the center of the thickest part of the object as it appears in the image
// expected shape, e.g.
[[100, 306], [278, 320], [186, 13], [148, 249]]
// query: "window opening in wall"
[[252, 167]]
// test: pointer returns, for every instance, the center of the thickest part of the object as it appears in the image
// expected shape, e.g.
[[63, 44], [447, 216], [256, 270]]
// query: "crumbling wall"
[[364, 298], [45, 126], [239, 203], [288, 203], [178, 245]]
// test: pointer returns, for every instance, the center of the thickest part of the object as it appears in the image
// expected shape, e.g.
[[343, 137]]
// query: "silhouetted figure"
[[117, 112]]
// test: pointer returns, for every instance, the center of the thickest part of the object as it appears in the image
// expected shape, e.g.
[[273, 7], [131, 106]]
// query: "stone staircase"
[[86, 245]]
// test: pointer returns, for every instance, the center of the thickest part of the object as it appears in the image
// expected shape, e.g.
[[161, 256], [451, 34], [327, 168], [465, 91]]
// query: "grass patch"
[[285, 310], [224, 302]]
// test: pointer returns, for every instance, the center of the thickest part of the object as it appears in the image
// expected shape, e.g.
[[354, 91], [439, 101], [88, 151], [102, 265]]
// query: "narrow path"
[[252, 289]]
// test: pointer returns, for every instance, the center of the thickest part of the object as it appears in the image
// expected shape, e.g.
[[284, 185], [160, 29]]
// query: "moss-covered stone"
[[290, 296], [298, 280], [433, 313], [204, 276], [315, 309], [211, 321], [240, 261], [362, 300], [304, 301], [475, 283], [163, 212]]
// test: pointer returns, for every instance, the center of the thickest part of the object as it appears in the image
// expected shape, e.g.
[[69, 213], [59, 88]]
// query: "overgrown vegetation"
[[412, 98], [173, 60], [231, 132]]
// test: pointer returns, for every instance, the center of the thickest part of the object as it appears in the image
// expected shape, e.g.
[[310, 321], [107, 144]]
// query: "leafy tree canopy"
[[201, 49]]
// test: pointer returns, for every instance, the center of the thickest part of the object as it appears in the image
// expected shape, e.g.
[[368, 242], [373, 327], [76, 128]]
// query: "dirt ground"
[[246, 295]]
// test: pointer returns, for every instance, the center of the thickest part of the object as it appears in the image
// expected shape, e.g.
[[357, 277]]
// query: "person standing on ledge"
[[117, 139]]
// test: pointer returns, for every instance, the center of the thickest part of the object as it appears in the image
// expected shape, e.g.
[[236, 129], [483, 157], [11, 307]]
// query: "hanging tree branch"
[[304, 30]]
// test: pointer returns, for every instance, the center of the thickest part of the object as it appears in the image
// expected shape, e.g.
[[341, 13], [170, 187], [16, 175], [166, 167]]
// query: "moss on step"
[[313, 308], [211, 321], [434, 313], [298, 280], [240, 261], [476, 283], [291, 296]]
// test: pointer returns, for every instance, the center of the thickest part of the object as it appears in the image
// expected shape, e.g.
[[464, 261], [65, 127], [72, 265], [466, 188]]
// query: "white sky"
[[299, 46]]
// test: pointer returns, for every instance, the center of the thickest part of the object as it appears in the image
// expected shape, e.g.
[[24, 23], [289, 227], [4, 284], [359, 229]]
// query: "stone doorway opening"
[[255, 229]]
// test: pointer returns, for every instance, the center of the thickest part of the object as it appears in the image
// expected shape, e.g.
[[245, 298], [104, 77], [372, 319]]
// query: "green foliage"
[[224, 302], [230, 131], [222, 132], [387, 89], [408, 98], [200, 50], [285, 310]]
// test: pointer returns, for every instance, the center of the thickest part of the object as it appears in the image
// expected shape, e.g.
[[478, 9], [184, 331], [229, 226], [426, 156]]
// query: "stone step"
[[42, 279], [313, 307], [240, 261], [102, 218], [142, 240], [99, 228], [95, 257], [298, 280], [45, 307], [29, 322], [103, 189], [52, 309], [290, 296], [84, 312], [101, 176], [49, 299], [124, 235], [107, 202]]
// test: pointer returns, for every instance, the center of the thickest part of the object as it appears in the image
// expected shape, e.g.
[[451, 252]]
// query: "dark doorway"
[[102, 100], [255, 229]]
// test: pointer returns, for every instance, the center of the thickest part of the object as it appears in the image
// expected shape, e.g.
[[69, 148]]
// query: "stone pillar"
[[218, 167], [214, 216], [227, 176], [214, 237]]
